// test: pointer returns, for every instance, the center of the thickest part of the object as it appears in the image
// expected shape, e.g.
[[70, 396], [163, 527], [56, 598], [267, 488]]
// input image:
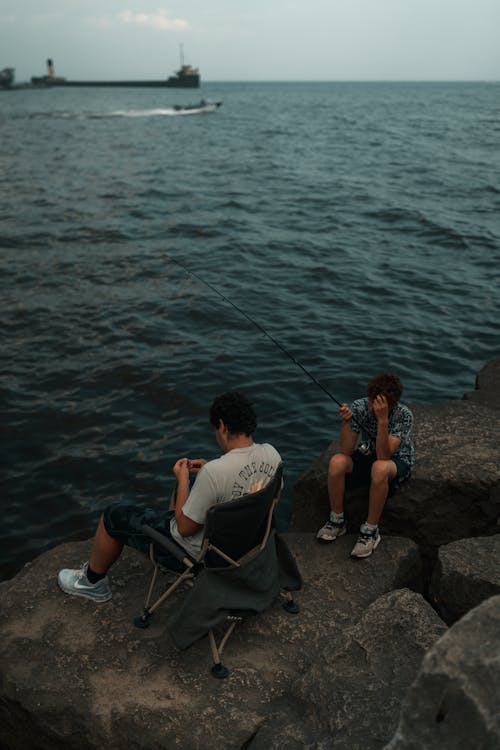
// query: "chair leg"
[[142, 621], [218, 670]]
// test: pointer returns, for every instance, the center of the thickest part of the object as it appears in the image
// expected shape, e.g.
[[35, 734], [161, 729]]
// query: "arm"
[[186, 526], [348, 438], [387, 444]]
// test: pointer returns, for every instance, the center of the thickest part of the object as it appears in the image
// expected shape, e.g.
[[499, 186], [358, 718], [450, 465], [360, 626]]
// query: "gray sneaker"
[[366, 544], [331, 531], [75, 582]]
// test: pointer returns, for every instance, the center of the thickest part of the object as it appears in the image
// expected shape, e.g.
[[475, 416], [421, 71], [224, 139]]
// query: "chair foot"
[[291, 607], [219, 671], [142, 621]]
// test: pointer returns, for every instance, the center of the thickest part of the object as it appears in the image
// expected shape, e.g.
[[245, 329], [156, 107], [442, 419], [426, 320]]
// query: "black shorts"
[[124, 521], [362, 468]]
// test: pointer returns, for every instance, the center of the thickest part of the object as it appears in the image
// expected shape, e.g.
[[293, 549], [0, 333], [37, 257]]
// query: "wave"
[[421, 225]]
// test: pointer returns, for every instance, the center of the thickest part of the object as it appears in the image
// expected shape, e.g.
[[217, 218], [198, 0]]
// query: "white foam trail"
[[143, 112], [160, 112]]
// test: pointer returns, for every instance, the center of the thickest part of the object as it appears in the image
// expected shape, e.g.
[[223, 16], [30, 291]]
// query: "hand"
[[345, 413], [380, 408], [195, 465], [181, 469]]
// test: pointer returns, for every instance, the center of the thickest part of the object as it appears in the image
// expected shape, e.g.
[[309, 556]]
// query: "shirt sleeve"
[[201, 497], [403, 425]]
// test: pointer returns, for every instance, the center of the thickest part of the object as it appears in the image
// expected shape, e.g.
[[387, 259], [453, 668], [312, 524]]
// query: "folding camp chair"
[[242, 568]]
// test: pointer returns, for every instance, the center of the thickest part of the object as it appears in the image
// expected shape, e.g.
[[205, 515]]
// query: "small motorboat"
[[202, 106]]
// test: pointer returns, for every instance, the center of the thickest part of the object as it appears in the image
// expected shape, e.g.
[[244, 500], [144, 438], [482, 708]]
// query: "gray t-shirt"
[[223, 479]]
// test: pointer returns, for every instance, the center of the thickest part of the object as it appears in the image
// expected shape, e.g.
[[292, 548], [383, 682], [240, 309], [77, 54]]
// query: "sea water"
[[357, 223]]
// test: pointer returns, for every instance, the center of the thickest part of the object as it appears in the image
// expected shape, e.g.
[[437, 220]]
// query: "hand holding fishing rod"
[[345, 413]]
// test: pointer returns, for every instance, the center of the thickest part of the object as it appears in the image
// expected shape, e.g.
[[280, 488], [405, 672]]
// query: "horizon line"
[[311, 80]]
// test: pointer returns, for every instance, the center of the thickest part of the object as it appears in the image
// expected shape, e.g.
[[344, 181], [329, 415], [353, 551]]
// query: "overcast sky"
[[254, 40]]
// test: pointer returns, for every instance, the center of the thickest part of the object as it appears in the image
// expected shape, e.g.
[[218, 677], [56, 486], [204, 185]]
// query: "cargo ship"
[[186, 77]]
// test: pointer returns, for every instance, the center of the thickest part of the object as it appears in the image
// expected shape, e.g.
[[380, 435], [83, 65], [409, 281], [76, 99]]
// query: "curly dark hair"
[[388, 385], [236, 411]]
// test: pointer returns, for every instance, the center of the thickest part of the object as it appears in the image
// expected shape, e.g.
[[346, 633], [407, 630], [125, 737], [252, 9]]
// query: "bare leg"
[[339, 466], [105, 550], [382, 472]]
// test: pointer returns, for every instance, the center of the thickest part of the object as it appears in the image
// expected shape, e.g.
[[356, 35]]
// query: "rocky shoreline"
[[399, 651]]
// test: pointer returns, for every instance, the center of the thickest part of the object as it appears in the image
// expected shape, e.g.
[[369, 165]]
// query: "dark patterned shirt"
[[400, 426]]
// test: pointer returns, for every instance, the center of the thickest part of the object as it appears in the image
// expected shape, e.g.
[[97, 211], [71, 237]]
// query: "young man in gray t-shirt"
[[244, 467]]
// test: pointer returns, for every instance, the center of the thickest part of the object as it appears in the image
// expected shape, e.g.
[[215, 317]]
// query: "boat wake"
[[165, 112], [176, 109]]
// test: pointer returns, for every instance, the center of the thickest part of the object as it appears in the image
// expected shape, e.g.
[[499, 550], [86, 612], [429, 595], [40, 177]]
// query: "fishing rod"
[[266, 333]]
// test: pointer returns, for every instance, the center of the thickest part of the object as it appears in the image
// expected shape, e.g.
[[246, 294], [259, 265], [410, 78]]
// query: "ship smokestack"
[[50, 68]]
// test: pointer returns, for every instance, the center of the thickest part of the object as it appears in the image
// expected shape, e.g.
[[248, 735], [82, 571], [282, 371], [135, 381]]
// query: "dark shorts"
[[362, 467], [123, 521]]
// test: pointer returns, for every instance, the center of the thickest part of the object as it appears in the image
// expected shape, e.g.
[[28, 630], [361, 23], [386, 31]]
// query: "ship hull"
[[191, 82]]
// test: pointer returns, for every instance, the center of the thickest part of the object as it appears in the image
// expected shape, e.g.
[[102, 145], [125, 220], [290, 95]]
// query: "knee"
[[339, 464], [381, 471]]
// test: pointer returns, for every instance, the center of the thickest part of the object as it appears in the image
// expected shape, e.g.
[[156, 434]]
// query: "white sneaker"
[[75, 582], [366, 544], [331, 531]]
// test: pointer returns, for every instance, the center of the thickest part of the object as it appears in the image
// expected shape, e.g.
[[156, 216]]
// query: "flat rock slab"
[[79, 675], [467, 573], [454, 701]]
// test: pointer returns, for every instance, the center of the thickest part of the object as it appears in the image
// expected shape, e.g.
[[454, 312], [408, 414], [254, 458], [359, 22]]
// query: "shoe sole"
[[332, 539], [84, 595], [367, 554]]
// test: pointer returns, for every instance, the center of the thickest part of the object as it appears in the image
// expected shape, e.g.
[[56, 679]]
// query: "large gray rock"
[[351, 693], [454, 702], [487, 390], [76, 675], [467, 573], [455, 488]]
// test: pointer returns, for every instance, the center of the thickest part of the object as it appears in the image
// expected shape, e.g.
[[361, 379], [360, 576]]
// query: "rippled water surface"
[[359, 224]]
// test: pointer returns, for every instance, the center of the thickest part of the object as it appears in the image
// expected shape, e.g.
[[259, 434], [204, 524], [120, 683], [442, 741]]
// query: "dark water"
[[358, 223]]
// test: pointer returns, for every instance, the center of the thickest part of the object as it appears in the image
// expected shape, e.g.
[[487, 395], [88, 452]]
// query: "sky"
[[254, 40]]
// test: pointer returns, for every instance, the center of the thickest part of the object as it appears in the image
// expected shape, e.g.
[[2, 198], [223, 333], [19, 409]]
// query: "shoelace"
[[82, 572], [365, 538]]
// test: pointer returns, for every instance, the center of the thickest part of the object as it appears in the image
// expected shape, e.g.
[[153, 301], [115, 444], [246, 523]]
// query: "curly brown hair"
[[388, 385], [236, 411]]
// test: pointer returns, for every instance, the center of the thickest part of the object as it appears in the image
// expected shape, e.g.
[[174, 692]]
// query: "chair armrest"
[[171, 547]]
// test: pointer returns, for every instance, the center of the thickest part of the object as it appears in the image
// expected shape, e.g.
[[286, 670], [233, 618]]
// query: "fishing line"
[[263, 330]]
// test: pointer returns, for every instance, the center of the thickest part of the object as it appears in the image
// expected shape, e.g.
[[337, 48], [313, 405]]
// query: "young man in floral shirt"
[[375, 449]]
